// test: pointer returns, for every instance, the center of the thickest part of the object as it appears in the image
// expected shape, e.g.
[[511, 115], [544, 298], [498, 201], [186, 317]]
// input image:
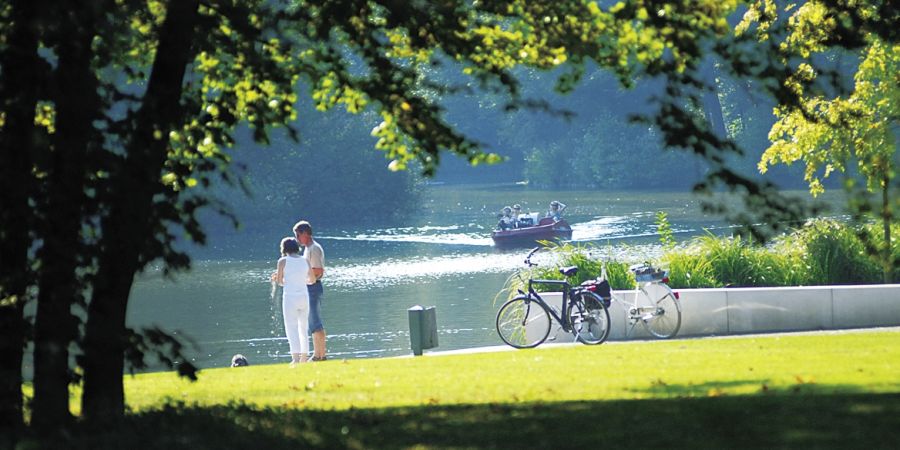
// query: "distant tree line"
[[331, 176]]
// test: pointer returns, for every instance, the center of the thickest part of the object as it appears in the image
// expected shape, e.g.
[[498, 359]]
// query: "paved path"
[[504, 348]]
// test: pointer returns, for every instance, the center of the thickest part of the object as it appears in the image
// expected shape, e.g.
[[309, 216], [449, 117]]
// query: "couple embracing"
[[301, 276]]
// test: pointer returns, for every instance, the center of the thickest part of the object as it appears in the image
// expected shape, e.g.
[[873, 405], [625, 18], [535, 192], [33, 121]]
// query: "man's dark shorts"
[[315, 300]]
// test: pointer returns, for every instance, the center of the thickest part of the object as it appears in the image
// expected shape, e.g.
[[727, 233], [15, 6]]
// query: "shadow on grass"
[[807, 385], [758, 421]]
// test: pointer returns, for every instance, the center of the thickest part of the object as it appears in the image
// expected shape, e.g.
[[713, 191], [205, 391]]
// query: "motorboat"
[[526, 236]]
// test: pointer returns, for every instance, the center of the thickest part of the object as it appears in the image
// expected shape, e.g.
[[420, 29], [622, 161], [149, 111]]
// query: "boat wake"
[[469, 234]]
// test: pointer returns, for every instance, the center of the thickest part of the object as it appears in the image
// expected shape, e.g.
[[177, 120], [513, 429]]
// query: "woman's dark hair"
[[289, 246]]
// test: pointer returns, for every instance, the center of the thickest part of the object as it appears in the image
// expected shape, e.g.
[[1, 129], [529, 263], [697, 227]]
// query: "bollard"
[[422, 328]]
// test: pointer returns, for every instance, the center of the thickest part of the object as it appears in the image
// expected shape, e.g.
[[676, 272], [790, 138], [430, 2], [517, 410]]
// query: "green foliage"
[[834, 254], [688, 270], [664, 229], [822, 252], [287, 176], [168, 83], [833, 132], [547, 167], [734, 261], [874, 235], [606, 151], [584, 256]]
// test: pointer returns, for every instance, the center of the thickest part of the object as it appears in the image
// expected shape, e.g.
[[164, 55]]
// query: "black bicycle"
[[525, 320]]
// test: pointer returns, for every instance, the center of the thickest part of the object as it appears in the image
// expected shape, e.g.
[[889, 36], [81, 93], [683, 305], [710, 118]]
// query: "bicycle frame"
[[632, 309], [562, 318], [588, 322], [635, 312]]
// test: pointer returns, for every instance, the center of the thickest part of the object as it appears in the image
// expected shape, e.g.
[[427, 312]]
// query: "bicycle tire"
[[523, 322], [589, 318], [665, 322]]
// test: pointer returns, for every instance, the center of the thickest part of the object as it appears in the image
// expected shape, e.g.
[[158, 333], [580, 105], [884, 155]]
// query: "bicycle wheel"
[[523, 322], [665, 321], [589, 318]]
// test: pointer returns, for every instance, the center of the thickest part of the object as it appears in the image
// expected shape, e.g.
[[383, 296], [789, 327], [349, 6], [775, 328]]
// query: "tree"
[[18, 90], [829, 133]]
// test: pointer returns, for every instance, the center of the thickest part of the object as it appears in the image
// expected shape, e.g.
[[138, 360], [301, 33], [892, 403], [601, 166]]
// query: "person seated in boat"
[[556, 209], [506, 221], [516, 210]]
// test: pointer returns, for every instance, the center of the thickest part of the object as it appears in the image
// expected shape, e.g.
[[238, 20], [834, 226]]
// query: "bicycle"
[[656, 306], [525, 320]]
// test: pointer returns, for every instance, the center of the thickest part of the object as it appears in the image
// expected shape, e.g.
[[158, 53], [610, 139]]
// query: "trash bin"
[[422, 328]]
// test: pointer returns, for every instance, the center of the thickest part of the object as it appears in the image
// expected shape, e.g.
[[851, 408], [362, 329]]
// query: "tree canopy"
[[830, 132]]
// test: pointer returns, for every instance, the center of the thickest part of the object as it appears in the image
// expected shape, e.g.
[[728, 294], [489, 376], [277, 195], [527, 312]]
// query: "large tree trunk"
[[712, 107], [18, 90], [77, 106], [128, 222]]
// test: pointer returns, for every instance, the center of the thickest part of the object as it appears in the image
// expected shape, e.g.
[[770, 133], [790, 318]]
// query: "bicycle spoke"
[[589, 319], [664, 320], [522, 322]]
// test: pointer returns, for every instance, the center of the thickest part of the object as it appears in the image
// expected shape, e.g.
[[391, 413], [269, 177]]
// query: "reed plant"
[[822, 252], [873, 234], [687, 269], [835, 254], [585, 256]]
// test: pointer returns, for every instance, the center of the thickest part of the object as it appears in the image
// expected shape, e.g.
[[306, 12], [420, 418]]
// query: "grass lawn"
[[791, 391]]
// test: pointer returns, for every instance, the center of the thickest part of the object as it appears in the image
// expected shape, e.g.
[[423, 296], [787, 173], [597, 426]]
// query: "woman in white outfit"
[[293, 270]]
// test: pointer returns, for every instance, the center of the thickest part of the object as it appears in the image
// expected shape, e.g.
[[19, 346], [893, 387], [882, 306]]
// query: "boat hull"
[[529, 236]]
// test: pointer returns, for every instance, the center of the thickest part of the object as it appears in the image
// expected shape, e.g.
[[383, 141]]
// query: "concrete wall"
[[708, 312]]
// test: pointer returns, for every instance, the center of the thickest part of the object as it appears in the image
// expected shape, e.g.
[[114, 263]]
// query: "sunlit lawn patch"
[[823, 390], [829, 363]]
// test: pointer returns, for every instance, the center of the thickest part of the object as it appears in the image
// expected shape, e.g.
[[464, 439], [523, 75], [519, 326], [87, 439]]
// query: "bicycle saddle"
[[568, 271]]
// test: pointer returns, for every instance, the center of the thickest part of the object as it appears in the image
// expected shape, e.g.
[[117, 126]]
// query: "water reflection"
[[374, 275]]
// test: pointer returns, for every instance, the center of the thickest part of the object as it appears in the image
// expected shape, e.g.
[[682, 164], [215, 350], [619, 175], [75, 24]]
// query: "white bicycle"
[[655, 305]]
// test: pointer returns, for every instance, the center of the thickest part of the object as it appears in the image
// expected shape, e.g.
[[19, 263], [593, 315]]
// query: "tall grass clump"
[[874, 234], [687, 269], [835, 254], [585, 257], [822, 252], [713, 261]]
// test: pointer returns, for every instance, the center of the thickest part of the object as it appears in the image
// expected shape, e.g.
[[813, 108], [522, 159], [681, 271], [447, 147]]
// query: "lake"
[[443, 258]]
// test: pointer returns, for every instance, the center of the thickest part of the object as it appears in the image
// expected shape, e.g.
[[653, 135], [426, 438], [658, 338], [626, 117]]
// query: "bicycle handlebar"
[[530, 254]]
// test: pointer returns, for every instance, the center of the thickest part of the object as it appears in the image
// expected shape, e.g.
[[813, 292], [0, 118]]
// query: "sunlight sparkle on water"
[[392, 271]]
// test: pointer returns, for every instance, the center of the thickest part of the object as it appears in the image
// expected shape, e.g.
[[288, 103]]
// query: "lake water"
[[443, 258]]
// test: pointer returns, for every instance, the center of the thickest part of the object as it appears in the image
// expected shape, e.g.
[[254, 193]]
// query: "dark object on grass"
[[239, 361]]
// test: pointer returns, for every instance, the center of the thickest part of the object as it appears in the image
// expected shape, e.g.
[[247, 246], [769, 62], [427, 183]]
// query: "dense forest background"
[[586, 141]]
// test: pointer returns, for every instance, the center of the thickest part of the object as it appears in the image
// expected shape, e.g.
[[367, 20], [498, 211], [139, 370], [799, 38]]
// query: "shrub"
[[712, 261], [687, 269], [822, 252], [582, 256], [875, 236], [834, 254]]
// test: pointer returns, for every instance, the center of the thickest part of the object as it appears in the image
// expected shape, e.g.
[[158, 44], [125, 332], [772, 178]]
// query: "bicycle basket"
[[644, 274]]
